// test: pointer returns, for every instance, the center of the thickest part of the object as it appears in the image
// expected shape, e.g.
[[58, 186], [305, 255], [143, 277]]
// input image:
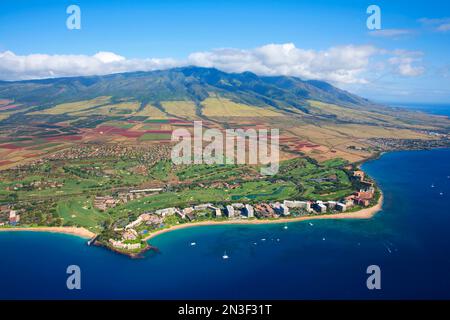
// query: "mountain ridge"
[[183, 83]]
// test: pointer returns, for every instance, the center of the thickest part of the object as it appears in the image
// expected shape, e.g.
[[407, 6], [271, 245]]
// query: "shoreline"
[[75, 231], [366, 213]]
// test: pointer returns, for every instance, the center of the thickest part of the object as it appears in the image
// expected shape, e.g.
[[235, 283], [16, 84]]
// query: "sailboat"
[[225, 256]]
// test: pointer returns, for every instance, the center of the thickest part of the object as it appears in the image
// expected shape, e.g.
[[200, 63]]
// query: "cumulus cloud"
[[348, 64], [38, 66], [338, 64], [406, 63]]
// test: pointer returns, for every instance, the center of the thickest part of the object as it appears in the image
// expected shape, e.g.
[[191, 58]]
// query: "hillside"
[[315, 118]]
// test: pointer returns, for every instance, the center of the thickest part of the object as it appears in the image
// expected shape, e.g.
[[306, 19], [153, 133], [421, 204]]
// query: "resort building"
[[284, 210], [297, 204], [249, 211], [130, 234], [202, 206], [331, 204], [14, 217], [341, 207], [230, 211], [362, 202], [135, 223], [154, 220], [320, 207], [359, 175], [127, 246], [180, 214], [280, 209], [165, 212], [349, 201], [217, 212], [104, 203], [190, 215]]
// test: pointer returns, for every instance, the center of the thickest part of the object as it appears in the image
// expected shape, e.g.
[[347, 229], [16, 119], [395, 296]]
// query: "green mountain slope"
[[312, 100]]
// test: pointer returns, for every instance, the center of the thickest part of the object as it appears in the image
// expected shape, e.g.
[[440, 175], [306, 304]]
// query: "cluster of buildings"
[[129, 232], [238, 211], [150, 154], [103, 203], [122, 245], [35, 185], [363, 196], [245, 210], [9, 216], [220, 185]]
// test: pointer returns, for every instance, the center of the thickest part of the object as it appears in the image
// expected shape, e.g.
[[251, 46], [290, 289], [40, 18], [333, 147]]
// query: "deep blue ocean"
[[409, 239]]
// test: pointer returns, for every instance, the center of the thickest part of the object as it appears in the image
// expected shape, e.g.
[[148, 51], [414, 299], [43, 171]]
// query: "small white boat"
[[225, 256], [441, 194], [193, 243], [263, 239], [432, 185], [285, 227], [323, 239], [310, 224]]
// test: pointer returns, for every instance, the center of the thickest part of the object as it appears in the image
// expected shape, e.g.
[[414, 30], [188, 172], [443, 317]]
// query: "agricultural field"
[[119, 109], [182, 109], [74, 107], [152, 112], [221, 107]]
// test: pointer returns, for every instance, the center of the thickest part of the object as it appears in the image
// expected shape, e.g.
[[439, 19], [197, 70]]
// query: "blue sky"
[[409, 61]]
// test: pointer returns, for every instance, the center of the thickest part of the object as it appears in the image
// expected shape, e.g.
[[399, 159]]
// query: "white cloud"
[[348, 64], [406, 63], [438, 25], [108, 57], [36, 66], [391, 33], [444, 27], [343, 64]]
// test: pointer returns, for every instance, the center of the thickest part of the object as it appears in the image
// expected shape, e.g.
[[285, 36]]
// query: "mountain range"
[[306, 111]]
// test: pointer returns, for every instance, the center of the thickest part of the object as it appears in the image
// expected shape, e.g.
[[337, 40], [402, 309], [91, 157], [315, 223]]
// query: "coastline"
[[366, 213], [76, 231]]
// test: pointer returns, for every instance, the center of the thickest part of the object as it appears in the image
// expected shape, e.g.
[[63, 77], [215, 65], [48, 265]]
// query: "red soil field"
[[127, 133], [10, 146], [67, 138], [12, 106], [32, 155], [5, 162]]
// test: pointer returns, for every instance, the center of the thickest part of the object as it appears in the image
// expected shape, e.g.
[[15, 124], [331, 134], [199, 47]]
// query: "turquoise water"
[[409, 240]]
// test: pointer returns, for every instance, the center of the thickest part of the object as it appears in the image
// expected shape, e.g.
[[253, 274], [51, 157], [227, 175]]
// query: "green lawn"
[[79, 211]]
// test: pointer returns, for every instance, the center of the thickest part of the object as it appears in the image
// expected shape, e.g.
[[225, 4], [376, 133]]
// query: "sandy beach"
[[361, 214], [84, 233], [80, 232]]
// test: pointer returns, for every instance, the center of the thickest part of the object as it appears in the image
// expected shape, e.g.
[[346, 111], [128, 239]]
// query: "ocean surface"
[[437, 109], [409, 240]]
